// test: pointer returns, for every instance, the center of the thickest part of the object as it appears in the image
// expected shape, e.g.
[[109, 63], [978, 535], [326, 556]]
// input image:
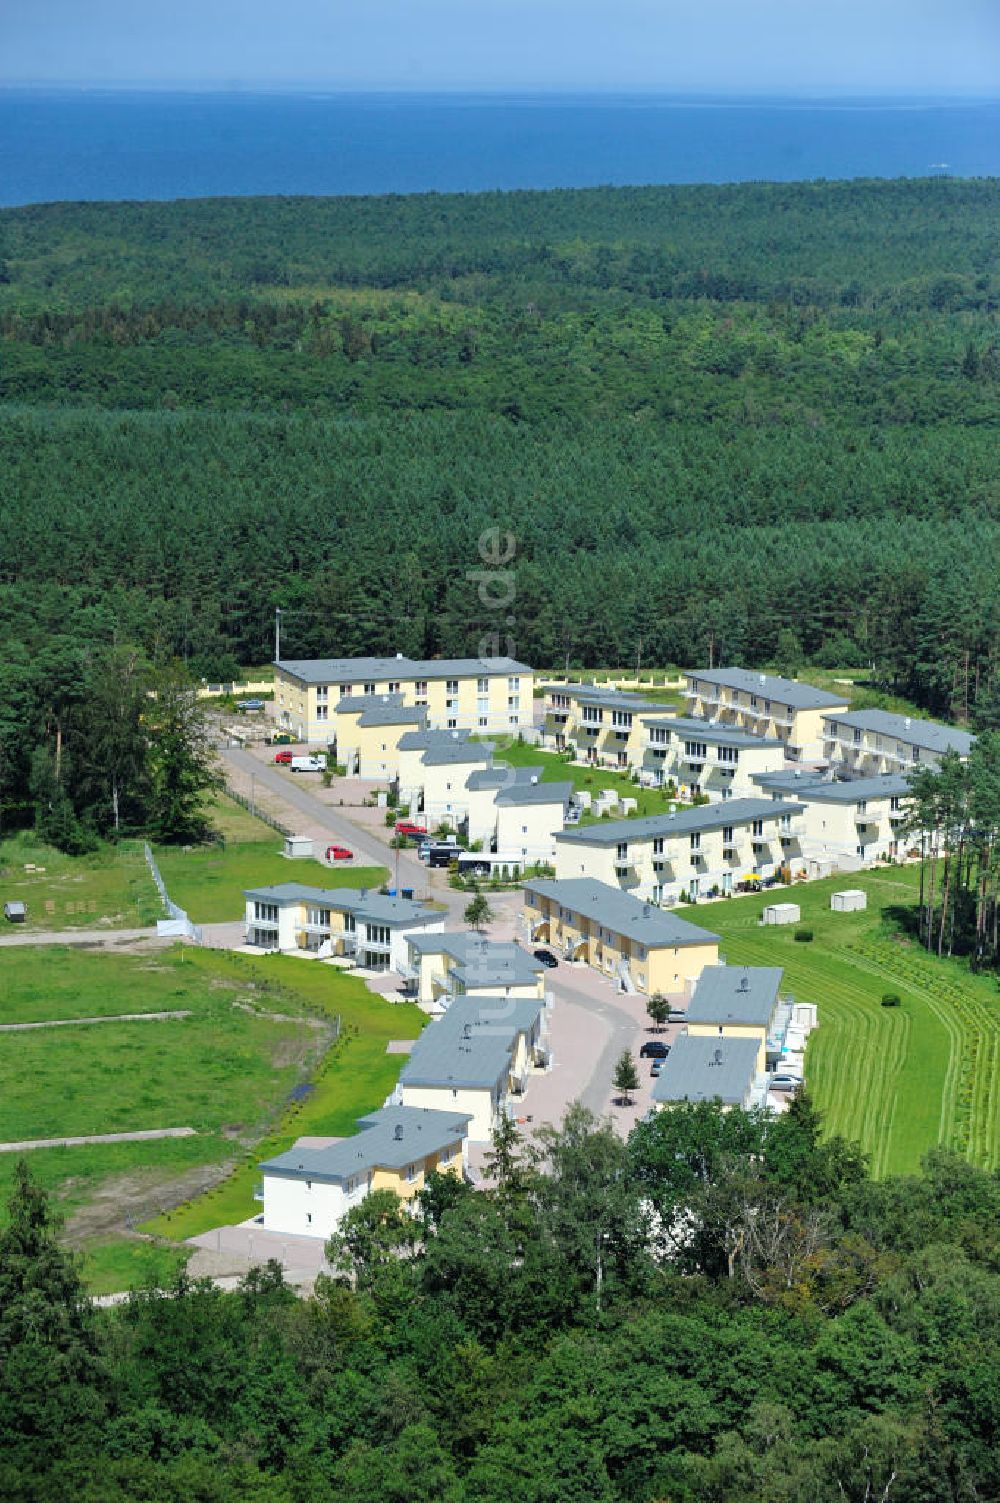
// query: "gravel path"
[[108, 1137], [23, 936], [115, 1017]]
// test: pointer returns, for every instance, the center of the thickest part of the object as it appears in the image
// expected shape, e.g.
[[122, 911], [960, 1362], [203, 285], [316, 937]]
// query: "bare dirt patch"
[[120, 1203]]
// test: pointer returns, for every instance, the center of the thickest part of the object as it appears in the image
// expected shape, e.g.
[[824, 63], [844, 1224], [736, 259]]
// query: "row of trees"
[[724, 1308], [956, 811], [96, 742]]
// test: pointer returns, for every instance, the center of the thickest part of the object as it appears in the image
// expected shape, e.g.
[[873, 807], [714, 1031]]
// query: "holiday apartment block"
[[367, 927], [698, 757], [695, 853], [845, 825], [765, 705], [474, 694], [640, 947], [867, 742], [602, 726]]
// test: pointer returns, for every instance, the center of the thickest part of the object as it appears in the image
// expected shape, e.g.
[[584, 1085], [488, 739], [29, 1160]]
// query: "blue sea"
[[118, 145]]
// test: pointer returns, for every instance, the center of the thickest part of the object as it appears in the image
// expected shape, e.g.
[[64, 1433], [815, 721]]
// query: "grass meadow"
[[110, 889], [258, 1026], [899, 1080]]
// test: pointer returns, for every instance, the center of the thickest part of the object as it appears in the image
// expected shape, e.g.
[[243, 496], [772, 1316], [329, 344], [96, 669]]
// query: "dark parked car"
[[546, 957], [654, 1049]]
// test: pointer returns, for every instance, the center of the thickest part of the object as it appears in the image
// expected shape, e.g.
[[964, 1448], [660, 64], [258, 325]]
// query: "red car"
[[339, 853], [283, 757], [407, 827]]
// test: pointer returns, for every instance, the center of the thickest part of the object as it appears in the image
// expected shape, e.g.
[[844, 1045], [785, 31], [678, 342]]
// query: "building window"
[[758, 829], [322, 691], [394, 686], [696, 841], [346, 690], [368, 688], [862, 806], [484, 720], [513, 684], [452, 724], [451, 687], [695, 751], [420, 688], [322, 712], [309, 1184], [482, 686], [729, 755], [411, 1173], [622, 718], [309, 1218], [622, 850], [513, 702], [266, 913], [658, 846]]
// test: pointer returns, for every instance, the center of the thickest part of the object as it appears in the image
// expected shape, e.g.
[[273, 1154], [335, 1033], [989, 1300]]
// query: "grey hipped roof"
[[421, 740], [486, 778], [735, 994], [929, 735], [812, 788], [535, 793], [446, 753], [687, 727], [481, 962], [703, 1069], [375, 907], [389, 1139], [393, 715], [620, 912], [733, 811], [354, 670], [606, 698], [472, 1045], [354, 704], [785, 691]]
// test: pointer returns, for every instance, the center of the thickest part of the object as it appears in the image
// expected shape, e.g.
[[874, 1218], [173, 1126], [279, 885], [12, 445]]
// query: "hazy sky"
[[747, 46]]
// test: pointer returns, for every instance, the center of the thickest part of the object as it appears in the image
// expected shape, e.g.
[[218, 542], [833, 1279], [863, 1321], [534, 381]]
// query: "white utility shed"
[[781, 913], [851, 900], [298, 847]]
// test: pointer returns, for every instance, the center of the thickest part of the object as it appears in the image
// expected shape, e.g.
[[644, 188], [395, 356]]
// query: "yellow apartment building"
[[865, 743], [639, 947], [707, 851], [601, 726], [366, 734], [308, 1190], [765, 705], [740, 1002], [471, 694]]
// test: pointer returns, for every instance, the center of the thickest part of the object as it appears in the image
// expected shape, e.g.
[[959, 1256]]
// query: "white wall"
[[477, 1104], [289, 1204]]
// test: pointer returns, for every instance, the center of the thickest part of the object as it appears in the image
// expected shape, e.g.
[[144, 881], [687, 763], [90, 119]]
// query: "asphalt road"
[[369, 845]]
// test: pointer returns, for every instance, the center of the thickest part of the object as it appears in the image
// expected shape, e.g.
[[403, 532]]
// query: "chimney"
[[716, 1060], [398, 1132]]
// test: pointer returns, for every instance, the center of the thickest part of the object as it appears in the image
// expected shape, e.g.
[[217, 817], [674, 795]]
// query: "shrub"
[[804, 936], [891, 999]]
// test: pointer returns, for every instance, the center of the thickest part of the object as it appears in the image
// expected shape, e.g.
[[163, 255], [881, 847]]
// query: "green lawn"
[[355, 1078], [900, 1080], [259, 1026], [555, 769], [208, 881], [110, 889]]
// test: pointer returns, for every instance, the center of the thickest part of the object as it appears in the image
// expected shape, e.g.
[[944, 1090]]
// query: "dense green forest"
[[757, 421], [723, 1310]]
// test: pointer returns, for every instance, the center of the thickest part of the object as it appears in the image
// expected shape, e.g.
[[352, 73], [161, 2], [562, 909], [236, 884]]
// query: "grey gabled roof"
[[785, 691], [735, 994], [812, 788], [733, 811], [458, 751], [686, 727], [486, 778], [421, 740], [535, 793], [352, 670], [389, 1139], [620, 912], [703, 1069], [473, 1044], [375, 907], [929, 735]]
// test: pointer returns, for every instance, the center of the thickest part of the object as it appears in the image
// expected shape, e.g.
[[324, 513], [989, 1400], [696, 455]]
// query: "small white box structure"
[[629, 805], [851, 900], [781, 913], [582, 797], [804, 1016], [298, 847]]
